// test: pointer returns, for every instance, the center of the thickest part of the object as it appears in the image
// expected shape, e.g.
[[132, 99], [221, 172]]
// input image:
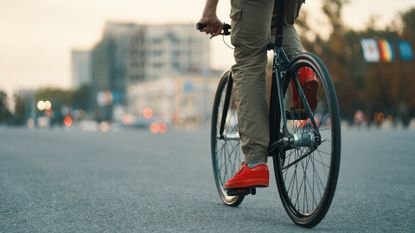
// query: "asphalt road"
[[133, 181]]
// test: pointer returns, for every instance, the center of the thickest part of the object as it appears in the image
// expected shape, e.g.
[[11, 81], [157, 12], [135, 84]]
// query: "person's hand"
[[214, 25]]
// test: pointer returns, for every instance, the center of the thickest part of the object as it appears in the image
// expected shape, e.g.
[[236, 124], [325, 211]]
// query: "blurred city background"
[[155, 74], [140, 72]]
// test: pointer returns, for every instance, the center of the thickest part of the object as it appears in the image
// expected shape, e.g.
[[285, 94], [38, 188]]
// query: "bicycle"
[[305, 142]]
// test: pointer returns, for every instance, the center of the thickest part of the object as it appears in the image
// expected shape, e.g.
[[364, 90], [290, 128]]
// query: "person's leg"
[[251, 24], [292, 46], [291, 41]]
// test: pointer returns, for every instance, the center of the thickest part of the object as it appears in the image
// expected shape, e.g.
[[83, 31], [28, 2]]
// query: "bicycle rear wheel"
[[307, 173], [225, 141]]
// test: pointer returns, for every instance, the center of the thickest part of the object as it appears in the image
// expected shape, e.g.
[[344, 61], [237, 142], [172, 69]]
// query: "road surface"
[[133, 181]]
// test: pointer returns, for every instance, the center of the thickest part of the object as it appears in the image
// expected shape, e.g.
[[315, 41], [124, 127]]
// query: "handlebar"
[[225, 29]]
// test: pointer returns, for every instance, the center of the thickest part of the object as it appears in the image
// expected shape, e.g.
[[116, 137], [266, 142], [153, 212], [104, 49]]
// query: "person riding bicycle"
[[252, 30]]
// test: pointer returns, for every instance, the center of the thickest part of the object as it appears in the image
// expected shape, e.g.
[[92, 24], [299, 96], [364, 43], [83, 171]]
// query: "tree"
[[57, 96], [372, 87], [20, 110], [82, 97], [5, 113], [408, 21], [336, 51], [333, 10]]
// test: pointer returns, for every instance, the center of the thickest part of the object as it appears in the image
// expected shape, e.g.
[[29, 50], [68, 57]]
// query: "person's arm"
[[214, 25]]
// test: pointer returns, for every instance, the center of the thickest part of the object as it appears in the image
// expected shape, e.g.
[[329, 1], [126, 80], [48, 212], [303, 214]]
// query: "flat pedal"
[[241, 191]]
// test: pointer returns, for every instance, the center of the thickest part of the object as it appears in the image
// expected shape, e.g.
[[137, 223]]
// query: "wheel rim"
[[305, 180]]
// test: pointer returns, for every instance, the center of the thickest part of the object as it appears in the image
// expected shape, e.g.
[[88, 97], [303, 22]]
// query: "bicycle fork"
[[226, 106]]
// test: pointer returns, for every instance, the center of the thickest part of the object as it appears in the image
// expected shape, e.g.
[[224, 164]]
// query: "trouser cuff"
[[256, 158]]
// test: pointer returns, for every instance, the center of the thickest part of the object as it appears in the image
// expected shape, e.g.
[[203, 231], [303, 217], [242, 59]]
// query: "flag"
[[405, 50], [386, 51], [370, 50]]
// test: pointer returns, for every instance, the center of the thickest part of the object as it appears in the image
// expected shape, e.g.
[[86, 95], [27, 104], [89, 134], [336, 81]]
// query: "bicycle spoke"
[[316, 175], [319, 179], [291, 185], [227, 150], [314, 198], [299, 191], [304, 170], [324, 167], [322, 163]]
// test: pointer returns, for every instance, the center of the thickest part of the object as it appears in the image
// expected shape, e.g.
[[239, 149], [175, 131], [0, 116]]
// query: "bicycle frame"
[[294, 134], [279, 67], [279, 71]]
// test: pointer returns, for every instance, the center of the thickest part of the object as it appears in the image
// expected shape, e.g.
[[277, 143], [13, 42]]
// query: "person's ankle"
[[252, 165]]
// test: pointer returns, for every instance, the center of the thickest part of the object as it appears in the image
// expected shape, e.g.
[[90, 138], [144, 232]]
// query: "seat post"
[[279, 8]]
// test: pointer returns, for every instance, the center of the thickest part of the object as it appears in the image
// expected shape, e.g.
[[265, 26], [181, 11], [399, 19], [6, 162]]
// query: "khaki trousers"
[[251, 32]]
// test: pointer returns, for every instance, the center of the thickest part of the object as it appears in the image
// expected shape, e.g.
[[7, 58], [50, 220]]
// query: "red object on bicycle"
[[309, 84], [257, 176]]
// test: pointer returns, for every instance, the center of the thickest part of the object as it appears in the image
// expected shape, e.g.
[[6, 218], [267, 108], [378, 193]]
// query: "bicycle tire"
[[221, 159], [286, 161]]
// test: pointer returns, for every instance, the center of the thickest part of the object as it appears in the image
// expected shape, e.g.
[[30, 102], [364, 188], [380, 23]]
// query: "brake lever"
[[226, 29]]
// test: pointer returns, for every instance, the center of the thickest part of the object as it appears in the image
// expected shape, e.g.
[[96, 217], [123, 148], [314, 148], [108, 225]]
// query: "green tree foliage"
[[67, 100], [336, 51], [333, 9], [82, 97], [370, 87], [20, 110], [78, 98], [55, 95], [408, 21], [5, 113]]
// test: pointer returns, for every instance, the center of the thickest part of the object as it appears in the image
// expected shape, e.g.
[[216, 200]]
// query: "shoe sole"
[[241, 191], [251, 183]]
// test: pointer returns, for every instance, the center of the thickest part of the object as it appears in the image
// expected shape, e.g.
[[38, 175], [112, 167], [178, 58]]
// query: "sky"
[[36, 36]]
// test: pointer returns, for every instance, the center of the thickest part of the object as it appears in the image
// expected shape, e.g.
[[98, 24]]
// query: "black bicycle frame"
[[279, 69], [226, 105]]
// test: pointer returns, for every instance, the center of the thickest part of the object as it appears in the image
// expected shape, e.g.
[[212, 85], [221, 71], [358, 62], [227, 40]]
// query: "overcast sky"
[[37, 35]]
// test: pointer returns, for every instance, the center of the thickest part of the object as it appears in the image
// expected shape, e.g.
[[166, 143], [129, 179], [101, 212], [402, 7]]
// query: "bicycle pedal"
[[241, 191]]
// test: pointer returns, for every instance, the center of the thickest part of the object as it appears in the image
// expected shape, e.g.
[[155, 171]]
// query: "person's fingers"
[[208, 29], [218, 29], [211, 29]]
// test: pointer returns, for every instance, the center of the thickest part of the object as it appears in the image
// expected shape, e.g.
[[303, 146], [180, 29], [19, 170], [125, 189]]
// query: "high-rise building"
[[80, 67], [172, 49], [131, 53]]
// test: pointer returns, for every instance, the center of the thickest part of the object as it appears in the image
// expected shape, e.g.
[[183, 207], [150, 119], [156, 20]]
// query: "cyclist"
[[252, 30]]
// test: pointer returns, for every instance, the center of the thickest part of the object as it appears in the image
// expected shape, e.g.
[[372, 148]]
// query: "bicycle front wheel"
[[225, 141], [307, 171]]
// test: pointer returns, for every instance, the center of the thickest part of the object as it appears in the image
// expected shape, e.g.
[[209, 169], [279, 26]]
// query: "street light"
[[48, 105], [41, 105], [44, 105]]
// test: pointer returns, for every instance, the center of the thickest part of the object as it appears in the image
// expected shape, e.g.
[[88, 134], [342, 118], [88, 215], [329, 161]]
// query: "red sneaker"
[[309, 84], [257, 176]]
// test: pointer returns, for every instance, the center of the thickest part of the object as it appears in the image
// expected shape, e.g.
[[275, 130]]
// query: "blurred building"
[[172, 49], [131, 53], [182, 100], [80, 68]]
